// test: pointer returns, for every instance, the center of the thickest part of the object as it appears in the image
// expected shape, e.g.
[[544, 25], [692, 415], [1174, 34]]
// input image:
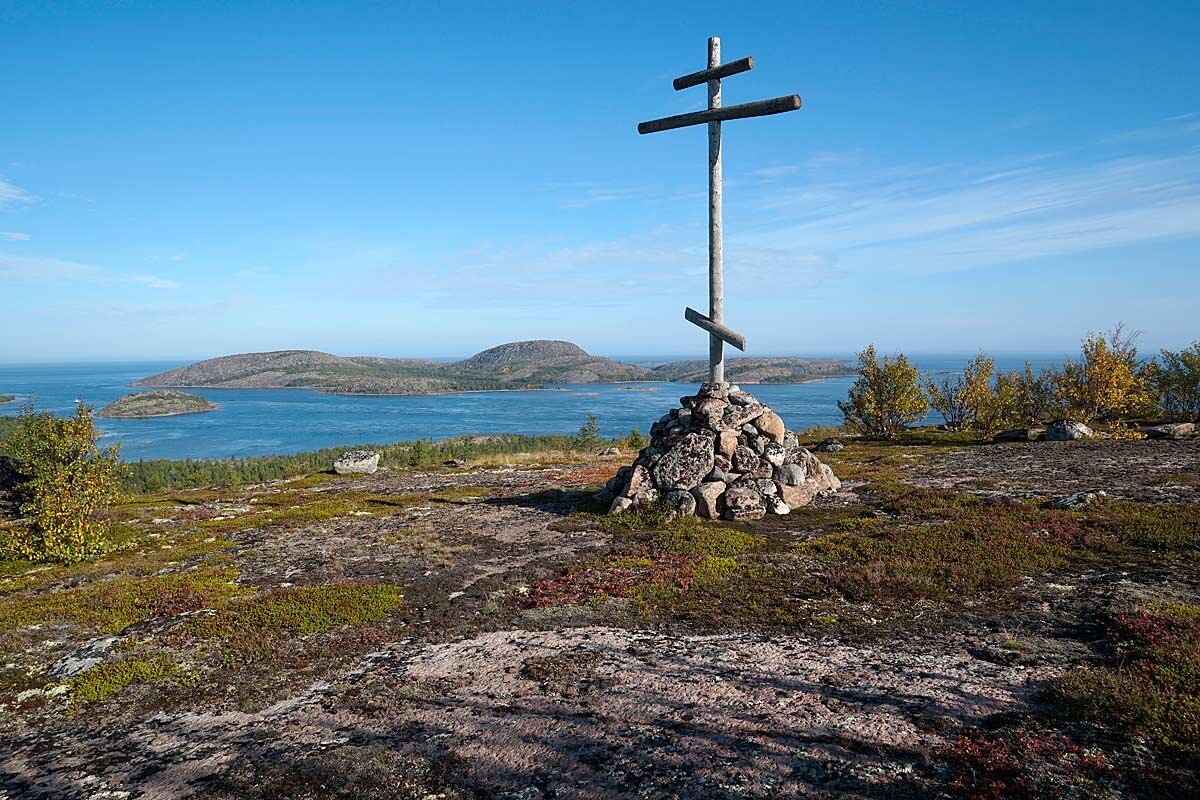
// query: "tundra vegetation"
[[468, 623]]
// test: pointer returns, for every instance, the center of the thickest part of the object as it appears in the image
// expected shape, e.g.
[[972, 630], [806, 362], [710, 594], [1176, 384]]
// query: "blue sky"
[[186, 180]]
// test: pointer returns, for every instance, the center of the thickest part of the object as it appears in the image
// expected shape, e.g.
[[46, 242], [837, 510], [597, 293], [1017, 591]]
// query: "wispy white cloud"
[[1174, 127], [14, 236], [968, 216], [799, 228], [10, 194], [23, 269]]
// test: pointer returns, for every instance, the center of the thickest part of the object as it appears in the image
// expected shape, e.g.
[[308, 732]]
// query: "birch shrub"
[[886, 398], [68, 481]]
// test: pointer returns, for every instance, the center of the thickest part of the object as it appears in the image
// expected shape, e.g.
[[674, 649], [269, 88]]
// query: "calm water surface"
[[254, 422]]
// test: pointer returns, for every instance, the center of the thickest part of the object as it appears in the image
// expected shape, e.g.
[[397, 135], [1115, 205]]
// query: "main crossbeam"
[[759, 108]]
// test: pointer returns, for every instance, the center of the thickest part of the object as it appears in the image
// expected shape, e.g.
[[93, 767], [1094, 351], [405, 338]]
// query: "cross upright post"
[[716, 255], [714, 323]]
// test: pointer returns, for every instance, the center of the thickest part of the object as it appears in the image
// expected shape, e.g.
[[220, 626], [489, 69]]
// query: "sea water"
[[251, 422]]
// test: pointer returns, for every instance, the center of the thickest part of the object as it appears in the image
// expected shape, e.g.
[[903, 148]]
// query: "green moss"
[[112, 605], [104, 680], [314, 480], [302, 611], [860, 524], [1157, 527], [722, 589], [705, 540], [933, 561]]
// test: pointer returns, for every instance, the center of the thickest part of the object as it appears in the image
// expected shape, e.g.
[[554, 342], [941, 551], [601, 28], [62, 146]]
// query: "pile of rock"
[[722, 454]]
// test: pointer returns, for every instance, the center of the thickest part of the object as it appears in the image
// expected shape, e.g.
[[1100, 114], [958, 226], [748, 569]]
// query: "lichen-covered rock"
[[686, 464], [1078, 500], [791, 474], [737, 416], [620, 504], [681, 502], [1172, 430], [727, 442], [709, 412], [743, 501], [775, 454], [639, 481], [744, 459], [1065, 430], [357, 462]]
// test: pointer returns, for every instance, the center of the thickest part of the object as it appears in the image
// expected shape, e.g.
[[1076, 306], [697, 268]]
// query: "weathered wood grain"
[[758, 108], [715, 328], [714, 73]]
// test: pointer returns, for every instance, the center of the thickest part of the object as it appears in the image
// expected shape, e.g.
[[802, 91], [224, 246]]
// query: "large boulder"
[[1066, 430], [356, 462], [1172, 430], [1020, 435]]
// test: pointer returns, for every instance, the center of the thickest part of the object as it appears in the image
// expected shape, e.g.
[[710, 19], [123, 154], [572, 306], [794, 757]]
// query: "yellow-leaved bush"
[[886, 398], [1106, 384], [68, 481]]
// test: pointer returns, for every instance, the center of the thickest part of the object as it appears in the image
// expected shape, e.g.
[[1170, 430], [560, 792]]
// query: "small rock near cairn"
[[722, 454], [353, 462]]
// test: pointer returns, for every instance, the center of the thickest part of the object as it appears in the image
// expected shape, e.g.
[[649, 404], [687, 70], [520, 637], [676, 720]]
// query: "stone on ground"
[[1066, 430], [1172, 430], [357, 462]]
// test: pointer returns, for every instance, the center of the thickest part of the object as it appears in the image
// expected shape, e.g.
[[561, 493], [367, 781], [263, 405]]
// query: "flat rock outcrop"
[[721, 454]]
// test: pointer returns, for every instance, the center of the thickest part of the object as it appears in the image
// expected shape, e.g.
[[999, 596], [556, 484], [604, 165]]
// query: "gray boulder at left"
[[353, 462]]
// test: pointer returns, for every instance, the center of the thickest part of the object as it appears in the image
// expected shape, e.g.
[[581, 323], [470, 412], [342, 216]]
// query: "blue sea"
[[252, 422]]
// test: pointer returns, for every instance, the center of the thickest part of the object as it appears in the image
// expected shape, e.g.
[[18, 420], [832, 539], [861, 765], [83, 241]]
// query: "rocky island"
[[165, 403], [516, 365]]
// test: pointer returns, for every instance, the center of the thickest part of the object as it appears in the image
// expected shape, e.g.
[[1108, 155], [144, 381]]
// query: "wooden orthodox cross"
[[714, 323]]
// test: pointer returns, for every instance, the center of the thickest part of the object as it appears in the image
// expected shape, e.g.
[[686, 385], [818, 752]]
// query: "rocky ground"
[[482, 632]]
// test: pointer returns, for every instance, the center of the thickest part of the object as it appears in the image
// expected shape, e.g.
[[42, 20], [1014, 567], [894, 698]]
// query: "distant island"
[[166, 403], [512, 366], [7, 398]]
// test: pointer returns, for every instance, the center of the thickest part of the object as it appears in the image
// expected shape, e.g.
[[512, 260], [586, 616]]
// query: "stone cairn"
[[721, 455]]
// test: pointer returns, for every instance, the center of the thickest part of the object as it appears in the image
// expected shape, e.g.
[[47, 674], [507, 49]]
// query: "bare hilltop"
[[515, 365]]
